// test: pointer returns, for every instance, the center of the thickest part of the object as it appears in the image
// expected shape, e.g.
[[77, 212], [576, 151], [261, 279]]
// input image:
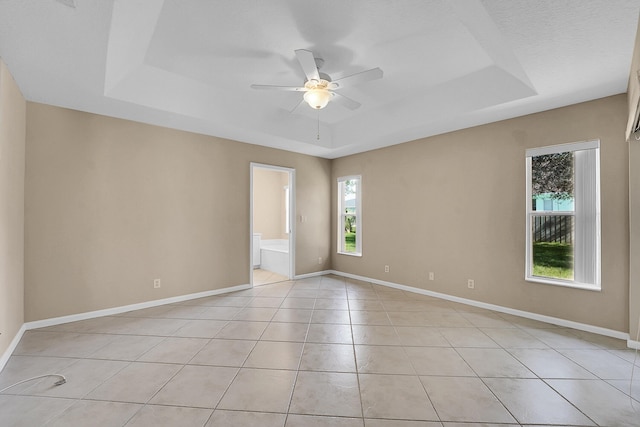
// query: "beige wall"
[[112, 204], [269, 213], [12, 162], [454, 204]]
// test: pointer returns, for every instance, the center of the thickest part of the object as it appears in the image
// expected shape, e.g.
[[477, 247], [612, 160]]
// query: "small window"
[[563, 215], [350, 215]]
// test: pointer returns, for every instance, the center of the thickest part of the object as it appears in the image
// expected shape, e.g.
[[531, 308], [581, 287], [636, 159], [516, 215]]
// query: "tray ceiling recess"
[[191, 65]]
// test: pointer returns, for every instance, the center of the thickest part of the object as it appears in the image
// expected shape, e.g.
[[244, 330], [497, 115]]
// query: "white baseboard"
[[108, 312], [9, 351], [314, 274], [123, 309], [534, 316]]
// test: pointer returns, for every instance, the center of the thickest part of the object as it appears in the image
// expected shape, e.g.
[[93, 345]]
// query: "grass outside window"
[[553, 260], [349, 242]]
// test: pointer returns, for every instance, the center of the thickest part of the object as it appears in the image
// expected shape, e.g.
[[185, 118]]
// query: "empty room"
[[411, 213]]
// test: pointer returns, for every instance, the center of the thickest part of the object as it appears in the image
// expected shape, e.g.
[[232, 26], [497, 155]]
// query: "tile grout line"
[[243, 362], [395, 329], [295, 379], [355, 358], [182, 368]]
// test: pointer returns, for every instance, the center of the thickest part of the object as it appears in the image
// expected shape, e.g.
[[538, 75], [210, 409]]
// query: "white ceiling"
[[188, 64]]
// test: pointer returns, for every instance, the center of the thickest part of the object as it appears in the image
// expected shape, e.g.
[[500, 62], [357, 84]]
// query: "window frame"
[[587, 215], [287, 212], [342, 215]]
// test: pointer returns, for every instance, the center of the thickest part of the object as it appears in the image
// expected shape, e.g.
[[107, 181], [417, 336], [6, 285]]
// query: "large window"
[[350, 215], [563, 215]]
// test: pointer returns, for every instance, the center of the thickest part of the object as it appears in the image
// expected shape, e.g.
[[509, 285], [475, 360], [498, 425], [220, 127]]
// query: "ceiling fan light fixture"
[[317, 98], [318, 87]]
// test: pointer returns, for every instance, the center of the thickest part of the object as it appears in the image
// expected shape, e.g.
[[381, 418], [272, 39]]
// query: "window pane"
[[552, 182], [350, 233], [349, 190], [350, 206], [552, 238]]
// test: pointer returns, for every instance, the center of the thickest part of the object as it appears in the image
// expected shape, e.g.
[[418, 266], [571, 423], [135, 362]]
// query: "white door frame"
[[292, 216]]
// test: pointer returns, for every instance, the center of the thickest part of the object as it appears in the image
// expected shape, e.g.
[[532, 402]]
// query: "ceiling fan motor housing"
[[323, 77]]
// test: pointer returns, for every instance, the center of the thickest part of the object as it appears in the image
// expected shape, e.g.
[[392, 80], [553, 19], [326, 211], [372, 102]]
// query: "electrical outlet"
[[432, 276], [156, 283], [471, 284], [319, 260], [386, 268]]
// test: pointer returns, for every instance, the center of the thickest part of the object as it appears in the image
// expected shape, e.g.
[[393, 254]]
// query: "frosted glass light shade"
[[317, 98]]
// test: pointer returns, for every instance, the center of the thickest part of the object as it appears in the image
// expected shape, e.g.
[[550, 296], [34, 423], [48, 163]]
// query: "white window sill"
[[564, 283], [358, 254]]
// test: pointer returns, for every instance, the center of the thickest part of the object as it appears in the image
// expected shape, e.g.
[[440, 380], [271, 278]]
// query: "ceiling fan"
[[318, 88]]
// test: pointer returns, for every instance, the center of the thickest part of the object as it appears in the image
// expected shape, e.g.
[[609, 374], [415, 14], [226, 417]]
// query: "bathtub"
[[274, 256]]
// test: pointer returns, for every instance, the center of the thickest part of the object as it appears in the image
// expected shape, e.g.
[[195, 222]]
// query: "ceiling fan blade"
[[297, 106], [344, 101], [308, 64], [354, 79], [272, 87]]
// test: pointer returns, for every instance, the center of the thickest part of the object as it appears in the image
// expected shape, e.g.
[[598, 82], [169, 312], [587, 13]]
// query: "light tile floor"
[[266, 277], [319, 352]]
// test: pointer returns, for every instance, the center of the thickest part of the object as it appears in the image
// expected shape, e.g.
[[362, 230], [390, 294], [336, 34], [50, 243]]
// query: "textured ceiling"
[[189, 64]]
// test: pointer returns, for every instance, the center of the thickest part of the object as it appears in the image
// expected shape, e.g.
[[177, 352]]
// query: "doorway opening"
[[272, 231]]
